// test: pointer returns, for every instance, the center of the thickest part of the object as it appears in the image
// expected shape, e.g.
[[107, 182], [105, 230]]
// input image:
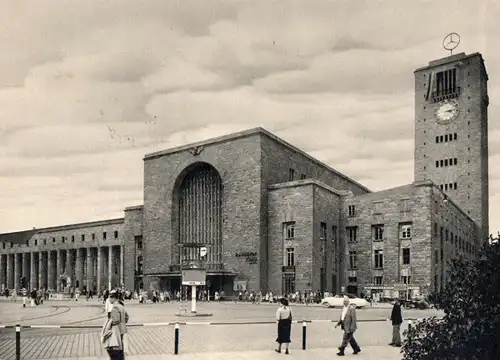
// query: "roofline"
[[135, 207], [247, 133], [451, 59], [73, 226], [430, 183], [306, 182]]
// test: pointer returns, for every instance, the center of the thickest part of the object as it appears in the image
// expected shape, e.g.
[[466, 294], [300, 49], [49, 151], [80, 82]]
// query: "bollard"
[[409, 325], [176, 339], [304, 335], [18, 342]]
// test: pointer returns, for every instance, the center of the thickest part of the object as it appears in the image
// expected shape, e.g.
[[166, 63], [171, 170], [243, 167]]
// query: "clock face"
[[447, 111]]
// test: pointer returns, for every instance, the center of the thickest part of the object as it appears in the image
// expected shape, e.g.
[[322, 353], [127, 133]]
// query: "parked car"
[[338, 301]]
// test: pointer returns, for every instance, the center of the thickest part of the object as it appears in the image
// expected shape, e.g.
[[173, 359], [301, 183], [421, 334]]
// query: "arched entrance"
[[197, 221]]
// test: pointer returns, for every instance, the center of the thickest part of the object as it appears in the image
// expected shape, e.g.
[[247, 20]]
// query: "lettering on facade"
[[250, 256]]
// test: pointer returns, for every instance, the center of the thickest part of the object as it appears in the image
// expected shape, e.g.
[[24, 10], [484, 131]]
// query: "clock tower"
[[451, 132]]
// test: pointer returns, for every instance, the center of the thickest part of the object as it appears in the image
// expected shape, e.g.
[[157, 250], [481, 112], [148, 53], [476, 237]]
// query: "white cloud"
[[90, 87]]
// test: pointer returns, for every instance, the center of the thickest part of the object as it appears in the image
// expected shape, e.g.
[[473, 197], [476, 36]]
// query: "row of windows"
[[378, 258], [405, 231], [450, 186], [446, 162], [379, 280], [64, 239], [291, 175], [446, 138], [404, 206], [445, 235]]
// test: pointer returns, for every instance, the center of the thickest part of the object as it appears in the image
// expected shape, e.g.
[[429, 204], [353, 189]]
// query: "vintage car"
[[337, 301]]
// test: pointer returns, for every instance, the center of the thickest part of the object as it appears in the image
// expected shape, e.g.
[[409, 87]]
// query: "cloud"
[[89, 87]]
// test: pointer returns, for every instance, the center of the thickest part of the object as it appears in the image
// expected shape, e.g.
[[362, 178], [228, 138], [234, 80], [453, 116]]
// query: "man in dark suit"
[[347, 323], [397, 320]]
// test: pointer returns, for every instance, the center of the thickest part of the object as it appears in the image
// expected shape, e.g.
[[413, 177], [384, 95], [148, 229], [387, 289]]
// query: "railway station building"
[[261, 214]]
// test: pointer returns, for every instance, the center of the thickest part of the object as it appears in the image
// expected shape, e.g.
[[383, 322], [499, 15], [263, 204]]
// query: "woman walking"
[[284, 318]]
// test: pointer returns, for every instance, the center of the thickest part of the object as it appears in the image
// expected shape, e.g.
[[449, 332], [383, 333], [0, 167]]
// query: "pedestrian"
[[108, 305], [397, 320], [284, 319], [114, 333], [347, 323]]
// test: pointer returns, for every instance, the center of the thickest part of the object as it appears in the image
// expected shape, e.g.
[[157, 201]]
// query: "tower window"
[[455, 161], [437, 139], [446, 82], [455, 136], [445, 162], [441, 138], [437, 163], [454, 186], [446, 138], [441, 163]]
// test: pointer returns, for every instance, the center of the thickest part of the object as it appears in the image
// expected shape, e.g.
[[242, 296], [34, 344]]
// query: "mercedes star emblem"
[[451, 41]]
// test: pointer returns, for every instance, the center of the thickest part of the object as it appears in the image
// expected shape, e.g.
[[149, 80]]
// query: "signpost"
[[194, 274]]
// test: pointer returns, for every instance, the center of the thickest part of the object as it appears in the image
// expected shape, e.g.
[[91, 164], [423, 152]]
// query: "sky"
[[87, 88]]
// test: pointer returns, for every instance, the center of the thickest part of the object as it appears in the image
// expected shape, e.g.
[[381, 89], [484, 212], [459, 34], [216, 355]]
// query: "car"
[[337, 301]]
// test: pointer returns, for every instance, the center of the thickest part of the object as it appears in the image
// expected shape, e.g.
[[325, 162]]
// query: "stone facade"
[[258, 213], [64, 258], [465, 138]]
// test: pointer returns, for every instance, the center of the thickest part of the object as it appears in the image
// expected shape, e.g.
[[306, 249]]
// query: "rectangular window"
[[379, 259], [406, 256], [290, 256], [323, 233], [289, 230], [139, 265], [405, 279], [378, 232], [352, 233], [83, 237], [116, 234], [138, 242], [377, 207], [446, 82], [291, 174], [27, 243], [36, 242], [405, 231], [353, 260], [63, 239], [72, 238], [351, 210], [302, 176], [437, 139], [334, 234], [93, 236], [455, 136], [104, 235], [44, 241], [378, 280], [404, 205], [455, 161]]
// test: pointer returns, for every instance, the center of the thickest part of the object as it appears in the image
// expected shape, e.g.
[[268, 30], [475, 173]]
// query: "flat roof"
[[247, 133], [305, 182], [450, 59], [20, 237]]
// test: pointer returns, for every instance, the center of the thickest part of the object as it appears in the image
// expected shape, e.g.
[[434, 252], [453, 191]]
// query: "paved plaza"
[[197, 338]]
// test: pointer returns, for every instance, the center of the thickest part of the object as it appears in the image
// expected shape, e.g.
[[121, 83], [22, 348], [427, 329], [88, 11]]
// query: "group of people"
[[347, 322]]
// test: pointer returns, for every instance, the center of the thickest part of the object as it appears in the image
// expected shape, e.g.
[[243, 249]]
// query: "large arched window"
[[200, 214]]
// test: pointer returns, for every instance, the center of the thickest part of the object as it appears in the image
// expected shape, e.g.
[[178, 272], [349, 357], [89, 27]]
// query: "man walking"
[[397, 320], [347, 323]]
